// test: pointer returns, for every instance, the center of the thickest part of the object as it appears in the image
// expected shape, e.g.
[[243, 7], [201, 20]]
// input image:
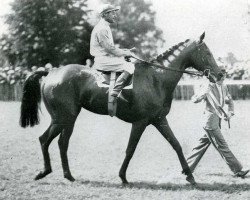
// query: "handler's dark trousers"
[[216, 138]]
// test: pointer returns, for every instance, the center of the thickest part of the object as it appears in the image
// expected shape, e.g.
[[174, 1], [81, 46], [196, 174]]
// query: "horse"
[[69, 88]]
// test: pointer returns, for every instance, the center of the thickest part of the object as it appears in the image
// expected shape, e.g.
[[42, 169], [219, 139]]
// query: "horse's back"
[[63, 74]]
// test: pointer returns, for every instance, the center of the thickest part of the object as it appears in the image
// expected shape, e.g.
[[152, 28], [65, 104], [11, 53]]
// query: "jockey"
[[108, 57]]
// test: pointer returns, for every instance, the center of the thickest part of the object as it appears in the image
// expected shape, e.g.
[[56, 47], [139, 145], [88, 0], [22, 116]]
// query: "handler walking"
[[215, 96]]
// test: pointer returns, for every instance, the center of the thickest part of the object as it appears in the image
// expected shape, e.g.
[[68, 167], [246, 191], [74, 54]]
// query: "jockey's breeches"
[[113, 64]]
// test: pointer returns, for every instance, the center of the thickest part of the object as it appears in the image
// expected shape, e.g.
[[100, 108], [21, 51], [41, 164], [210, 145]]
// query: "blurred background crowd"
[[10, 74]]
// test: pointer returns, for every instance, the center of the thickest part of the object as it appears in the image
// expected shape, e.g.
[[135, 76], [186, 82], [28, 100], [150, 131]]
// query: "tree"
[[136, 26], [54, 31]]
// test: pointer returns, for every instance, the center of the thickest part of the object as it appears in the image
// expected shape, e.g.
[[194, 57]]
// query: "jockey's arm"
[[110, 48]]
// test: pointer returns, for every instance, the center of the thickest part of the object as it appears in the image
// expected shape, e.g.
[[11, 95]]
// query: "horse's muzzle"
[[210, 75]]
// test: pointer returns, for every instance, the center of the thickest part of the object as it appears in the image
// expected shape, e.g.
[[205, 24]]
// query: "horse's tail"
[[31, 100]]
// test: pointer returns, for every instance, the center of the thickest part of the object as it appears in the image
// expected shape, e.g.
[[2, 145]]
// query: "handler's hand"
[[229, 116]]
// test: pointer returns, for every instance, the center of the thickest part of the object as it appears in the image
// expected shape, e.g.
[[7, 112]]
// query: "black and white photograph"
[[124, 99]]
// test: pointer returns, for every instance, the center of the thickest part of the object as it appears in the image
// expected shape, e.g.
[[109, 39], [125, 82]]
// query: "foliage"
[[54, 31], [236, 69], [136, 26]]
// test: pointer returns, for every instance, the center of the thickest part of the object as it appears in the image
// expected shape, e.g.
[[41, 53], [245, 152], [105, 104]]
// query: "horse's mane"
[[169, 52]]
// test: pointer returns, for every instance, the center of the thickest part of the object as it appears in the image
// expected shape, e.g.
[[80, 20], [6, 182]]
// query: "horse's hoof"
[[124, 180], [69, 177], [42, 174], [191, 180]]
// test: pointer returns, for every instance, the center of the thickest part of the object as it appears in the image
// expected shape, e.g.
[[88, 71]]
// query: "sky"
[[225, 22]]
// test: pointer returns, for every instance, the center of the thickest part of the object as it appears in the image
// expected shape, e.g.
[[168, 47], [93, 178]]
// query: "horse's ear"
[[201, 38]]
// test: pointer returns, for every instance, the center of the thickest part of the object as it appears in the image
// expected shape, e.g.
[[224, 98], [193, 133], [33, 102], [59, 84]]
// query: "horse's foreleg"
[[63, 143], [135, 135], [167, 133], [45, 141]]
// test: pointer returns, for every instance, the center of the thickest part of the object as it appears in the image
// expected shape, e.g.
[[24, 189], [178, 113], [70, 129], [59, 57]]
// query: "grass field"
[[97, 149]]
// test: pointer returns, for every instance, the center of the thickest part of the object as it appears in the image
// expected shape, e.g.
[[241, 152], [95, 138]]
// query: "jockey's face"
[[111, 16]]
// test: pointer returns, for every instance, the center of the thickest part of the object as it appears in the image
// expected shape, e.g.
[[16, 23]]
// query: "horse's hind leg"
[[164, 128], [45, 140], [63, 143]]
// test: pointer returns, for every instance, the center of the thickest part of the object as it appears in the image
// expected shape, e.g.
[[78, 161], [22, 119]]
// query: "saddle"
[[109, 78]]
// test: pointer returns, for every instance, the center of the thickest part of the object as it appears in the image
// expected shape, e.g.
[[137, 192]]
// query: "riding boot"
[[120, 83]]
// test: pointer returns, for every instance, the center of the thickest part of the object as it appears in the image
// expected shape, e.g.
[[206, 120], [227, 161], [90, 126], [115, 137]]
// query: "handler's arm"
[[198, 98], [200, 95]]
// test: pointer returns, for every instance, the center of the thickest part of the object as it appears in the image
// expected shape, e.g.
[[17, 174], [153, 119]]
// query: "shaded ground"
[[96, 151]]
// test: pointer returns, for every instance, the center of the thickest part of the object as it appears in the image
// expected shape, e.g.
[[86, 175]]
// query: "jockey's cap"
[[108, 8]]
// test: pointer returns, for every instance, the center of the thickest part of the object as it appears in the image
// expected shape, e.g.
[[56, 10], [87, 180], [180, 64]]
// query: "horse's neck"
[[159, 81], [171, 80], [177, 61]]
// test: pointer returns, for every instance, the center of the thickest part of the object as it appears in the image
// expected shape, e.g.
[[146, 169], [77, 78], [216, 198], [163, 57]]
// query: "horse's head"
[[203, 60]]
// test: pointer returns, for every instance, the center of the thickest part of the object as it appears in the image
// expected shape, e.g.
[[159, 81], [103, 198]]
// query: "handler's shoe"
[[242, 173]]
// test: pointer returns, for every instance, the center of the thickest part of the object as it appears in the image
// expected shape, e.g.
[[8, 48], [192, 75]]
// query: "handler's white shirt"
[[221, 98]]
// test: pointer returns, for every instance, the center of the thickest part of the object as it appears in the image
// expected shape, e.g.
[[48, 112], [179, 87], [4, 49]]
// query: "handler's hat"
[[108, 8]]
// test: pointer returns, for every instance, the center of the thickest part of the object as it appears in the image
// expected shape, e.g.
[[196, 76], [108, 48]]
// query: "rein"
[[177, 70], [170, 69]]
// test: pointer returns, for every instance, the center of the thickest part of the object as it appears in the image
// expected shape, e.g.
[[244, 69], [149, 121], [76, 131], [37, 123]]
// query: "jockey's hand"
[[127, 58], [133, 49], [127, 53]]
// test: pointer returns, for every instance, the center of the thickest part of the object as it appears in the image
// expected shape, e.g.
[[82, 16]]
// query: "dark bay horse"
[[68, 89]]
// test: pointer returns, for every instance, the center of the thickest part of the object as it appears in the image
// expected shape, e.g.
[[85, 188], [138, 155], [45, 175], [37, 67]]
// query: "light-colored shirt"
[[220, 93], [102, 43], [221, 97]]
